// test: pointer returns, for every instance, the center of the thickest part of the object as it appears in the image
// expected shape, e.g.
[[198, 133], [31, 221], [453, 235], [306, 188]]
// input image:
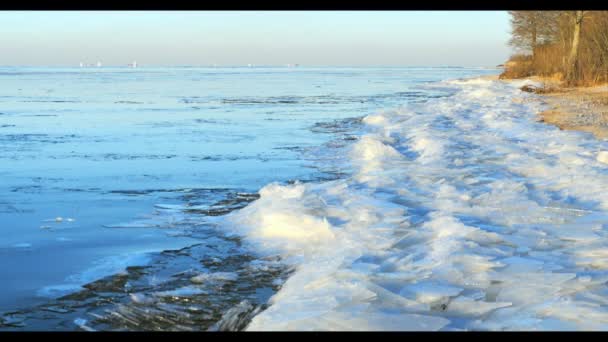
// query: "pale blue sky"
[[404, 38]]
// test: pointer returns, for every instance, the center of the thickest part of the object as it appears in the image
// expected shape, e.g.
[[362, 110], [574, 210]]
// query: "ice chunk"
[[602, 157], [519, 264], [217, 276], [132, 225], [181, 207], [185, 291], [370, 148], [467, 307], [375, 120], [429, 292], [82, 324], [356, 321], [481, 231], [141, 298]]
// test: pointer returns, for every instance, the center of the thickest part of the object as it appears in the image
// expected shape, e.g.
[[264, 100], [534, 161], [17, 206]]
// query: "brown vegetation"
[[569, 46]]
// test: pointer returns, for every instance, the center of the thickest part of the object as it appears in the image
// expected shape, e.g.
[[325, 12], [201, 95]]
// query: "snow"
[[463, 213]]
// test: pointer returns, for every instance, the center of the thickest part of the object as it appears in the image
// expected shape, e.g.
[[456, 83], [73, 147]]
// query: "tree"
[[571, 45], [531, 28], [573, 56]]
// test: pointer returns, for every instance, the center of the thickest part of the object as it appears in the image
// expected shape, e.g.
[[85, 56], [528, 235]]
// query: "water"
[[112, 178], [460, 213]]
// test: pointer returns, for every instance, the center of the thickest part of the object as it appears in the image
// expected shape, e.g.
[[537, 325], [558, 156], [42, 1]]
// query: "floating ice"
[[132, 225], [185, 291], [22, 245], [82, 324], [217, 276], [429, 292], [101, 268], [60, 219], [141, 298], [462, 213], [56, 291], [181, 207]]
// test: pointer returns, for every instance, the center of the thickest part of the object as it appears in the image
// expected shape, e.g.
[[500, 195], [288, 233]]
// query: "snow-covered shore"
[[463, 212]]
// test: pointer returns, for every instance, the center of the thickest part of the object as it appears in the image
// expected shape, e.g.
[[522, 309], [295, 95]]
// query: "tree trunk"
[[534, 23], [573, 59]]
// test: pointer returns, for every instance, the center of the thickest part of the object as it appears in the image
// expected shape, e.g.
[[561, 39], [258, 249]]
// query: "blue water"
[[90, 155]]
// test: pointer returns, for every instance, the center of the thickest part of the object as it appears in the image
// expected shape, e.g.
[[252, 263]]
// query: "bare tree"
[[572, 71], [569, 45], [531, 28]]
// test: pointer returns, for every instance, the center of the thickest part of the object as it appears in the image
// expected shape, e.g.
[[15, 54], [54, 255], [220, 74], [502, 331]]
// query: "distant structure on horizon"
[[99, 65], [91, 65]]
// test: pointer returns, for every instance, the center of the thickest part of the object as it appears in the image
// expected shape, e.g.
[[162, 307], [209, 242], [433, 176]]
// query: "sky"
[[314, 38]]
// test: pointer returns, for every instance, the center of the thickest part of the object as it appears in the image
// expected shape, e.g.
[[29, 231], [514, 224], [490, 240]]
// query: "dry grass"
[[518, 66], [550, 58]]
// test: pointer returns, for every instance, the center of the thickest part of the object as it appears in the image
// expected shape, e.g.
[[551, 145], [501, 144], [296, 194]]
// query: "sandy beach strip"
[[576, 108], [581, 109]]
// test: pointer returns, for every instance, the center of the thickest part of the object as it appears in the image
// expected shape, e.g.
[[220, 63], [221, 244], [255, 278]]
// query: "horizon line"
[[286, 65]]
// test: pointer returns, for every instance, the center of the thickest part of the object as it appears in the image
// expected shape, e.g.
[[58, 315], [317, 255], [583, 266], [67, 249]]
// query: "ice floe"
[[463, 213]]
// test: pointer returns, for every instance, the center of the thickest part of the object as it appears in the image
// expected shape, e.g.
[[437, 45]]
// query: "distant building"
[[99, 64]]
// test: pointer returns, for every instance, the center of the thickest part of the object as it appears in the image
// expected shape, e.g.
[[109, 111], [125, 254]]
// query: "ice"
[[468, 307], [141, 298], [185, 291], [217, 276], [82, 323], [456, 212], [516, 264], [56, 291], [164, 142], [602, 157], [429, 292], [132, 225], [181, 207], [462, 213], [363, 321], [101, 268]]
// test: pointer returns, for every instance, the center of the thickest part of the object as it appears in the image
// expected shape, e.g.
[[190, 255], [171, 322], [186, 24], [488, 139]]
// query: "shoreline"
[[579, 109], [583, 109]]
